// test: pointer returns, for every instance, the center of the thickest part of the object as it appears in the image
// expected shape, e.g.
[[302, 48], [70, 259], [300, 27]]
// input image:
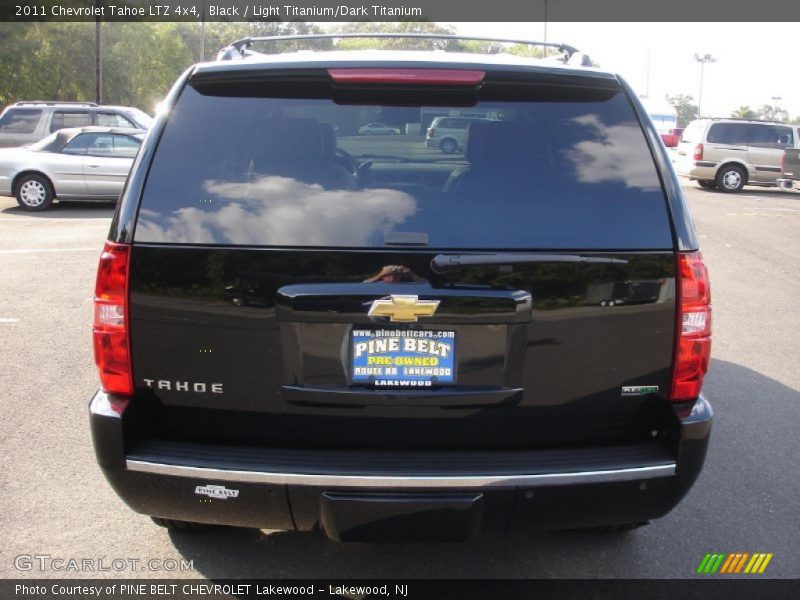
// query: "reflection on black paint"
[[231, 299], [394, 274]]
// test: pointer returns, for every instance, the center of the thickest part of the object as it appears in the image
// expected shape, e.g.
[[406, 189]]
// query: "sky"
[[754, 61]]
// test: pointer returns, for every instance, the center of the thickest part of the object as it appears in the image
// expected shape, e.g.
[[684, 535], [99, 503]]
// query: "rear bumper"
[[703, 170], [5, 185], [380, 494]]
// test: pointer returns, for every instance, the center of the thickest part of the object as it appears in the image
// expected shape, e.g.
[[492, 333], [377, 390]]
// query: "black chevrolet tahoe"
[[298, 327]]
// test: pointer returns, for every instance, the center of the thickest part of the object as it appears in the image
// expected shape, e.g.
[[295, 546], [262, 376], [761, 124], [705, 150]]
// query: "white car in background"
[[377, 129], [83, 163]]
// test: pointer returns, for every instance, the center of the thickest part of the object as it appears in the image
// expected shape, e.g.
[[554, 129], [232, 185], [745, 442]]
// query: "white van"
[[448, 133]]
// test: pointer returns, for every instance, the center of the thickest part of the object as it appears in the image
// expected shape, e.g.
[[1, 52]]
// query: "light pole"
[[775, 100], [545, 26], [706, 58], [203, 34], [98, 58]]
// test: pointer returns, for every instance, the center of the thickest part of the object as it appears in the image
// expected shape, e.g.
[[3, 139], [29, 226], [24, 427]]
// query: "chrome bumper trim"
[[403, 481]]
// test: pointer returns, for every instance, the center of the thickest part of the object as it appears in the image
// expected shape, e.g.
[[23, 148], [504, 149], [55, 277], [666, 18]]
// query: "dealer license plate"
[[402, 358]]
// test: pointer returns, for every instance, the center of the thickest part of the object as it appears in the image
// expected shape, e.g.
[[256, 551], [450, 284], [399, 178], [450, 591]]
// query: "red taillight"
[[698, 152], [413, 76], [693, 336], [111, 345]]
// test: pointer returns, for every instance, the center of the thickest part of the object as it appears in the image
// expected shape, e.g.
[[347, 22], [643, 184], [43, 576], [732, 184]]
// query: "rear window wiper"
[[443, 262]]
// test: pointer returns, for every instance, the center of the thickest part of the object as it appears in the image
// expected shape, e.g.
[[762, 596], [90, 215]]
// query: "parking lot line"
[[33, 250], [22, 219], [776, 208]]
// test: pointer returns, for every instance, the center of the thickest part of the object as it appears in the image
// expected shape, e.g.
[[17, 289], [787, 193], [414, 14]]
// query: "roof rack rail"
[[241, 48], [757, 120], [52, 103]]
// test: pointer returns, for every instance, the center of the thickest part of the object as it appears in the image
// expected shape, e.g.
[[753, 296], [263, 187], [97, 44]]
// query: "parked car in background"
[[790, 168], [448, 133], [84, 163], [27, 122], [377, 129], [672, 137], [728, 154], [664, 118]]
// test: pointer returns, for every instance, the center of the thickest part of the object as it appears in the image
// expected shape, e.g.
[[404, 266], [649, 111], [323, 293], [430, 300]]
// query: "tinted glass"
[[550, 174], [101, 144], [113, 120], [141, 118], [78, 144], [770, 135], [728, 133], [125, 146], [20, 120], [63, 119]]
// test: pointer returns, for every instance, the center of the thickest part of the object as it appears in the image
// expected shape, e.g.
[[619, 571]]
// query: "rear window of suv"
[[454, 123], [754, 134], [728, 133], [20, 120], [549, 172]]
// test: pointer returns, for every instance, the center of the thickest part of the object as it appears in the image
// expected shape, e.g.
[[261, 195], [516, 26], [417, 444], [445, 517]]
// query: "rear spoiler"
[[241, 48]]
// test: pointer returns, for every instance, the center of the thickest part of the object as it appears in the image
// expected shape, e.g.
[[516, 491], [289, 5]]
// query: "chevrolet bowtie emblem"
[[403, 309]]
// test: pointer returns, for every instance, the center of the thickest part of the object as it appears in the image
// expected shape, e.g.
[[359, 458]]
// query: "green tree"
[[16, 54], [47, 60], [396, 43], [744, 112], [161, 55], [56, 61], [220, 35], [686, 109], [531, 51], [768, 112], [472, 46]]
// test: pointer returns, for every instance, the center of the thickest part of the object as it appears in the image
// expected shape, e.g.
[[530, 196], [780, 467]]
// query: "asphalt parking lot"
[[55, 501]]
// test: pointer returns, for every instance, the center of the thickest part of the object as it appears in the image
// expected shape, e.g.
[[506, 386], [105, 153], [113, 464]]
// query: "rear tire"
[[730, 179], [448, 145], [708, 185], [34, 193], [176, 525]]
